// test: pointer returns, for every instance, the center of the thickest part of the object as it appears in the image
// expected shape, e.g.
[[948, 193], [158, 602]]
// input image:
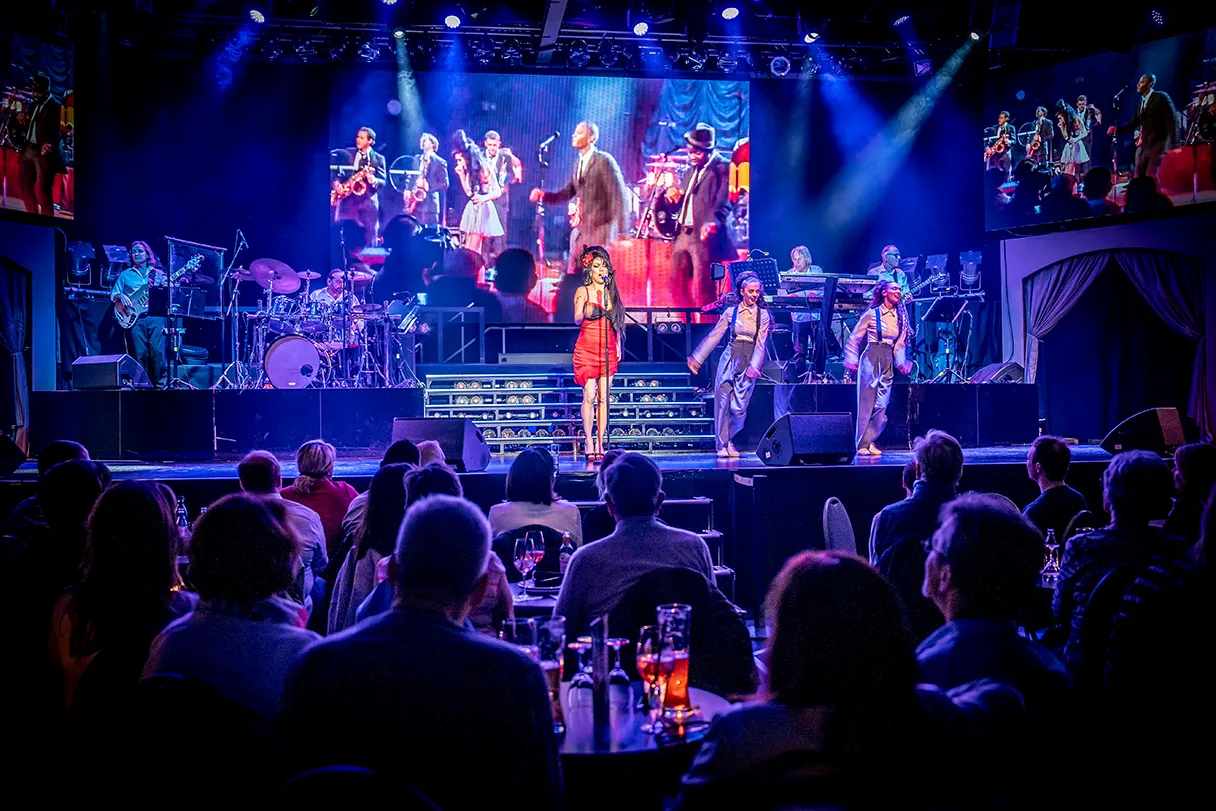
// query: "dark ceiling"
[[862, 39]]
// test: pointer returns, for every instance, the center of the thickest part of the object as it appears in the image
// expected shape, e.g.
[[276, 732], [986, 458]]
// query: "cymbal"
[[366, 308], [274, 275], [308, 274], [361, 276]]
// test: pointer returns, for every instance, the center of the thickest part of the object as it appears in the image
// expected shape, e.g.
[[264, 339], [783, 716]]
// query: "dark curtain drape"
[[14, 324], [722, 105], [1109, 357], [31, 57]]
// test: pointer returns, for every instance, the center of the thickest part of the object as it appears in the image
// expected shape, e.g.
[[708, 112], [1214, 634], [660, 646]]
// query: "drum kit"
[[298, 340], [1201, 115], [658, 214]]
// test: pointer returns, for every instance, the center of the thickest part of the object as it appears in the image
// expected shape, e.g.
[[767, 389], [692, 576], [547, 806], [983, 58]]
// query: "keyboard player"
[[888, 270], [802, 320]]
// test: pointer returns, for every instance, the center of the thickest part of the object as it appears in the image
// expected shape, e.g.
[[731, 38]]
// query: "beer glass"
[[675, 622]]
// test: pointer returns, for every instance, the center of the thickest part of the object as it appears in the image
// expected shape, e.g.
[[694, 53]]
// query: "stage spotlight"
[[730, 11], [579, 55], [368, 51], [975, 36], [399, 33], [610, 53], [922, 67], [641, 28], [257, 16], [483, 49], [389, 2], [273, 50], [727, 62], [779, 65], [810, 36], [901, 19], [337, 51], [305, 50], [695, 59], [452, 20], [1157, 17]]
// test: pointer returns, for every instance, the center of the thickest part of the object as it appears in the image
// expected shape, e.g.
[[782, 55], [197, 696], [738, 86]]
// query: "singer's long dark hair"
[[615, 316], [901, 309], [474, 158]]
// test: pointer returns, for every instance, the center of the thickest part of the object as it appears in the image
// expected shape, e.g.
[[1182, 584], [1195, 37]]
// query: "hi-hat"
[[274, 275], [308, 274]]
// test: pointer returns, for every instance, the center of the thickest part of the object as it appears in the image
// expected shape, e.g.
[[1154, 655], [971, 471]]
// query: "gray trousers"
[[875, 372], [732, 391]]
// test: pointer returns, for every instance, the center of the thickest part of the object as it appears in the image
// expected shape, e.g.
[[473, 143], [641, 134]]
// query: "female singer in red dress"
[[601, 318]]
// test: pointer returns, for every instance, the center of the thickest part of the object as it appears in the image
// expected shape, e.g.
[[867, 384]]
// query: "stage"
[[759, 515]]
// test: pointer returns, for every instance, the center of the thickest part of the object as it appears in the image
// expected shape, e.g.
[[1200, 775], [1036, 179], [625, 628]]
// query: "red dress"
[[589, 348]]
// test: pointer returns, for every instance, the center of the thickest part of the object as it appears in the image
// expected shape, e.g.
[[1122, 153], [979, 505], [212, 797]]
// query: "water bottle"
[[183, 519], [564, 552]]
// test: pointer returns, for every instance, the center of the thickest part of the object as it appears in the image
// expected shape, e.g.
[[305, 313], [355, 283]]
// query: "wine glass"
[[1051, 568], [522, 634], [582, 679], [536, 548], [525, 561], [655, 663], [617, 676]]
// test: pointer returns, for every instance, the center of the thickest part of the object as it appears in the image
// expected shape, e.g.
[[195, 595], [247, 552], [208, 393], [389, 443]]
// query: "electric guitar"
[[923, 283], [127, 316]]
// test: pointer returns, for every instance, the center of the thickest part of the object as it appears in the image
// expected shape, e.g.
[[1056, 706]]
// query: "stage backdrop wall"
[[1189, 236], [33, 248]]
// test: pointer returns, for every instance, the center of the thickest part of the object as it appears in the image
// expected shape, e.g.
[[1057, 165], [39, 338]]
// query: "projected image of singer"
[[480, 219], [1156, 123], [600, 315], [702, 237], [598, 189]]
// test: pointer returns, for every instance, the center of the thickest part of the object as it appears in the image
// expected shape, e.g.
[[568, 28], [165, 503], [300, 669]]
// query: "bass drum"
[[292, 362], [665, 214]]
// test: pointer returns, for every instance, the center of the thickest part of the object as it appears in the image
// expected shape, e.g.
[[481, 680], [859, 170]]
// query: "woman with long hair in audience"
[[840, 703], [245, 632], [375, 540], [532, 500], [130, 590], [315, 487]]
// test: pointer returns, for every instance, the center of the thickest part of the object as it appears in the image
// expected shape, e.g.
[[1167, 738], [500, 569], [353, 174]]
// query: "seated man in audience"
[[28, 513], [907, 478], [601, 573], [1136, 489], [982, 569], [1194, 478], [430, 452], [415, 695], [1047, 465], [939, 466], [401, 452], [261, 475]]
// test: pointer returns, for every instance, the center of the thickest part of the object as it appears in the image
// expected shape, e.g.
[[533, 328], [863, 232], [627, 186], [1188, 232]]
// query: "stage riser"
[[980, 415], [205, 424]]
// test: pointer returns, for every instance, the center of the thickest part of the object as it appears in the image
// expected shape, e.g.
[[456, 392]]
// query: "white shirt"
[[1144, 101], [325, 297]]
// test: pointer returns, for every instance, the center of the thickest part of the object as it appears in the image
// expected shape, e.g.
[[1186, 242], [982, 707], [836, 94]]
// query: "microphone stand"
[[608, 282], [542, 155], [1114, 139], [232, 344]]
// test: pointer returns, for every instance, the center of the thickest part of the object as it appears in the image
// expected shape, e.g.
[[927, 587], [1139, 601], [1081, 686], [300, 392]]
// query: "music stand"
[[765, 268], [118, 257]]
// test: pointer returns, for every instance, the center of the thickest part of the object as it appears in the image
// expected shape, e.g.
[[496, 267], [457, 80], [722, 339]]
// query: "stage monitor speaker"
[[1008, 372], [11, 456], [809, 439], [464, 447], [109, 372], [1159, 430]]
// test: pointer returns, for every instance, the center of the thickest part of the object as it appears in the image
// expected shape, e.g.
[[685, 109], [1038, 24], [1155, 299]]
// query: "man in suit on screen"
[[1158, 128], [598, 189]]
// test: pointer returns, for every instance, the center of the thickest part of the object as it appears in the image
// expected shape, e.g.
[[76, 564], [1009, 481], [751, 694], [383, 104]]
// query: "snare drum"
[[317, 317], [293, 362]]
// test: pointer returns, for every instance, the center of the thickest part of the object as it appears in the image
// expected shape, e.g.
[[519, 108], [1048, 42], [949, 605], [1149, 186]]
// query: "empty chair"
[[837, 528]]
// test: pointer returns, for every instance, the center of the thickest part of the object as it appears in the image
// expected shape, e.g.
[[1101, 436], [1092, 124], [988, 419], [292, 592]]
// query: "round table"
[[624, 734], [541, 606]]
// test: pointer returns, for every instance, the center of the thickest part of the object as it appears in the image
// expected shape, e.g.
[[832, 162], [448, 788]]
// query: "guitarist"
[[365, 208], [888, 270], [145, 340], [998, 155]]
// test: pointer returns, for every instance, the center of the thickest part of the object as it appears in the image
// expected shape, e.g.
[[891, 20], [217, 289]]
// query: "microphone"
[[546, 143], [1120, 93], [241, 234]]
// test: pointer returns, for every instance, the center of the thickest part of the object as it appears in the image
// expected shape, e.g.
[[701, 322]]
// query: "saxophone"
[[357, 185], [421, 188]]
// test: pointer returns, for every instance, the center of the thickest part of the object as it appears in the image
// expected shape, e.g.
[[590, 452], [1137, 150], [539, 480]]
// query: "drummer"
[[331, 293]]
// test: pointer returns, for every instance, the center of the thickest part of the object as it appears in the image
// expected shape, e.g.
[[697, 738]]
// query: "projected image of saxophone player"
[[424, 201], [357, 196]]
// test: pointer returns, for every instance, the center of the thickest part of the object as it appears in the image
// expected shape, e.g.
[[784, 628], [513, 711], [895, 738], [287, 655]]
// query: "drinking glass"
[[654, 663], [522, 634], [1051, 566], [675, 621], [582, 679], [617, 676], [525, 561], [551, 644]]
